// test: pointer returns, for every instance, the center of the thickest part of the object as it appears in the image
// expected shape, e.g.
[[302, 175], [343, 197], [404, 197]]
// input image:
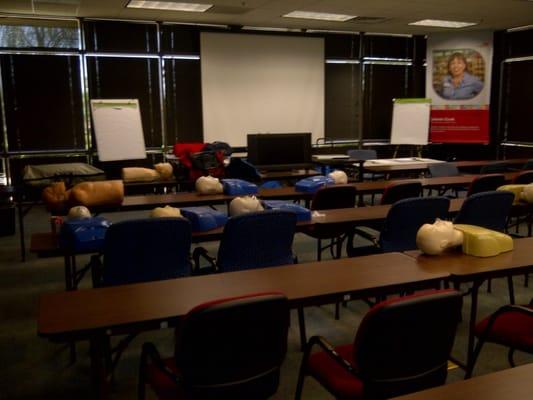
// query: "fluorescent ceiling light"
[[320, 16], [442, 23], [169, 5]]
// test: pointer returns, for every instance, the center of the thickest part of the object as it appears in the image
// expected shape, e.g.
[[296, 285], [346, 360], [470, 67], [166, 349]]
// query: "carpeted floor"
[[34, 368]]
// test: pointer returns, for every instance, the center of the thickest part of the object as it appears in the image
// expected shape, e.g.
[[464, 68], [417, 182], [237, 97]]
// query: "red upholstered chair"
[[399, 191], [227, 349], [524, 177], [327, 198], [485, 183], [402, 345], [510, 326]]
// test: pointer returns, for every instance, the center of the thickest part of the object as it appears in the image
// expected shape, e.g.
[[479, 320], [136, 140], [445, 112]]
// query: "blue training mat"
[[302, 213], [204, 218], [238, 187], [313, 183], [87, 234]]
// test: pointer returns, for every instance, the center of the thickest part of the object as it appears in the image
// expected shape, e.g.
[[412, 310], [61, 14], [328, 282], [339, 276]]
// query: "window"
[[43, 102], [39, 33]]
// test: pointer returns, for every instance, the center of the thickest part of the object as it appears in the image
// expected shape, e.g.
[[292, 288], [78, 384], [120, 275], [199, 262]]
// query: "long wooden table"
[[145, 202], [88, 314], [421, 166], [46, 244], [469, 269], [509, 384]]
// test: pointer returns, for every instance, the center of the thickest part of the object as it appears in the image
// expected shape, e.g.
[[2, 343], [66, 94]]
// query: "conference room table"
[[186, 199], [463, 268], [91, 314], [509, 384], [46, 244], [418, 165]]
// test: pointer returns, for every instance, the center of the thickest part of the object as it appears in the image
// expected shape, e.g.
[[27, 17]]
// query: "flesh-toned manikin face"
[[435, 238]]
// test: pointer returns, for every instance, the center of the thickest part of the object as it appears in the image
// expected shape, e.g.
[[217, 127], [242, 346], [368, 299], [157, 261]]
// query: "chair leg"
[[510, 355], [337, 310], [473, 359], [526, 280], [489, 285], [141, 385], [319, 250], [301, 374]]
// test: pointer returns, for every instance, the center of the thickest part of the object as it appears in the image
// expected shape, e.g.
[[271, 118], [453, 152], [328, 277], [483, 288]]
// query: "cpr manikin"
[[162, 171], [243, 205], [208, 185], [339, 177], [78, 212], [165, 212], [434, 239]]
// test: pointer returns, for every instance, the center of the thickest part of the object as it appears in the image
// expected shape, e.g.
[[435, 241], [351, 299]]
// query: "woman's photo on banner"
[[458, 74]]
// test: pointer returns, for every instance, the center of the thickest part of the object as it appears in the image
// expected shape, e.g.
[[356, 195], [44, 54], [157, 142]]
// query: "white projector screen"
[[261, 84]]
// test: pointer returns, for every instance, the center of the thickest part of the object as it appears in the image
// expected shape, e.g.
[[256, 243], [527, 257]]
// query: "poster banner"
[[458, 77]]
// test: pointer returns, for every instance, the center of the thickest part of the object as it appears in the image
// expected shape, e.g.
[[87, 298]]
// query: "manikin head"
[[78, 212], [208, 185], [435, 238], [339, 177], [244, 204]]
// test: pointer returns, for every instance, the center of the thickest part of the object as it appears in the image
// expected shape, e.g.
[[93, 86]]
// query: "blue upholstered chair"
[[225, 349], [398, 232], [253, 240], [489, 209], [364, 154], [145, 250], [141, 250], [401, 346], [439, 170]]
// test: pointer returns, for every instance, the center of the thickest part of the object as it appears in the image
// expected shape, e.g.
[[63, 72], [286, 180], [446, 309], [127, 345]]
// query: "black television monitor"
[[280, 151]]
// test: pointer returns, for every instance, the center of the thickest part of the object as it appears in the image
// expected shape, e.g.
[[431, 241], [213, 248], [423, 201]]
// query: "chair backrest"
[[405, 218], [402, 345], [257, 240], [399, 191], [330, 197], [145, 250], [443, 169], [495, 168], [485, 183], [523, 177], [233, 348], [528, 164], [360, 154], [488, 209]]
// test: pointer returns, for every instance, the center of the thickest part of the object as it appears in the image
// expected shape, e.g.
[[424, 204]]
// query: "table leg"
[[301, 325], [68, 273], [472, 324], [510, 284], [100, 385], [21, 232]]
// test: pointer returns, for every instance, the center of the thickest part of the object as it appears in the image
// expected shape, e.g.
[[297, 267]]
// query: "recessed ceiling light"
[[443, 24], [169, 5], [320, 16]]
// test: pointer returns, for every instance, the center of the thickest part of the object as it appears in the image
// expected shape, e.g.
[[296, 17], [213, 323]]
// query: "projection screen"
[[261, 84]]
